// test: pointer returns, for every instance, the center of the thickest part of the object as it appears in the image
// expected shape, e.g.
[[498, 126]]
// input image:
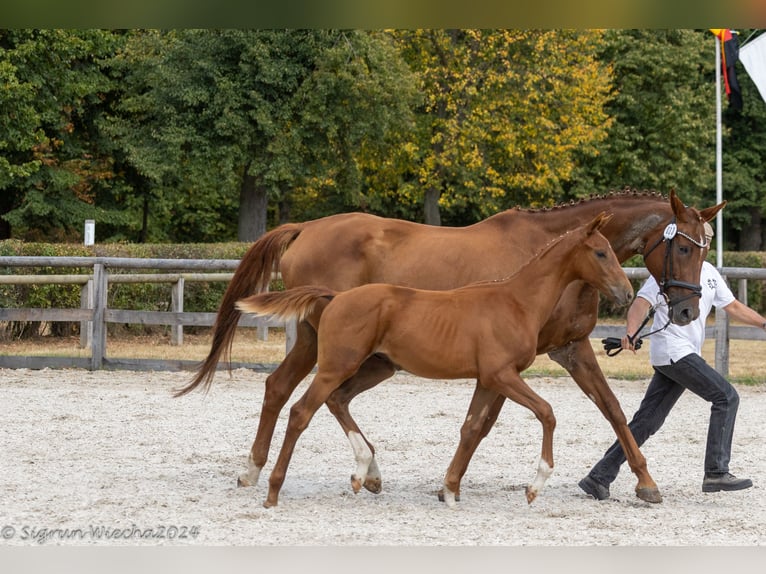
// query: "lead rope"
[[613, 345]]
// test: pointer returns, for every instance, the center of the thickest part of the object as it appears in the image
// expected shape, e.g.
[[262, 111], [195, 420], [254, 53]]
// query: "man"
[[675, 355]]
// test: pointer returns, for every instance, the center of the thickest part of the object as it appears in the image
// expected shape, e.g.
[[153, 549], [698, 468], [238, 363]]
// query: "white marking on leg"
[[250, 478], [363, 456], [543, 472], [449, 497]]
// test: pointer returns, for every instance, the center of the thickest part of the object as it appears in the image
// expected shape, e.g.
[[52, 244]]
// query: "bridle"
[[666, 280], [612, 345]]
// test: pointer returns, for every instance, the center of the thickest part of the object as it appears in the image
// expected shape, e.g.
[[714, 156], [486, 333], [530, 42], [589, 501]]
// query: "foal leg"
[[482, 409], [509, 384], [300, 416], [479, 421], [579, 359], [279, 386], [374, 370]]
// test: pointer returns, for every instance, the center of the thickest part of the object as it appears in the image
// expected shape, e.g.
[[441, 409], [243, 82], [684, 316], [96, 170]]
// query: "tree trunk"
[[143, 234], [750, 236], [253, 202], [431, 207]]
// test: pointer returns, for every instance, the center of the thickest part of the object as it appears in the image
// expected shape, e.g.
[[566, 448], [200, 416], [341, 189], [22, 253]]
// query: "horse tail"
[[296, 303], [253, 274]]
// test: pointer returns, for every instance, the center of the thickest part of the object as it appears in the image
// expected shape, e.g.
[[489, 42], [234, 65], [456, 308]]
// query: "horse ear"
[[709, 213], [598, 222], [679, 209]]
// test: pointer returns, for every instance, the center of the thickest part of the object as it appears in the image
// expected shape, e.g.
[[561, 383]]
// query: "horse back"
[[348, 250]]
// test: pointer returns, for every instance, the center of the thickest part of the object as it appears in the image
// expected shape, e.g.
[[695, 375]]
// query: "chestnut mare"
[[347, 250], [486, 330]]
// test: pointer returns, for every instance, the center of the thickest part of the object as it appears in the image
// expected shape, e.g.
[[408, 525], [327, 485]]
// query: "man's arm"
[[636, 314], [741, 312]]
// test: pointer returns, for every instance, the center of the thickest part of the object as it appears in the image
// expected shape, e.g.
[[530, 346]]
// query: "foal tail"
[[296, 303], [253, 274]]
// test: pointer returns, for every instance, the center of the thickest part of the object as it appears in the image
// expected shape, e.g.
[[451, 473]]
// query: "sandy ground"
[[110, 458]]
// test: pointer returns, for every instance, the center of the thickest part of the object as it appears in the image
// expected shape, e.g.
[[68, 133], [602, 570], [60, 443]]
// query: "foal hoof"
[[374, 485], [243, 482], [649, 494], [531, 494]]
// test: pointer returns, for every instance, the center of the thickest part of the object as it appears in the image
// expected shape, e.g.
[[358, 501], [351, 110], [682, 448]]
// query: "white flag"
[[753, 57]]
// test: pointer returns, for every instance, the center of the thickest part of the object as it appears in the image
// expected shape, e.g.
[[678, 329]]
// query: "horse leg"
[[479, 421], [279, 386], [374, 370], [485, 406], [579, 359], [301, 414], [509, 383]]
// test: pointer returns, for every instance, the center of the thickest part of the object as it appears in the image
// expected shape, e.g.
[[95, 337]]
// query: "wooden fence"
[[94, 314]]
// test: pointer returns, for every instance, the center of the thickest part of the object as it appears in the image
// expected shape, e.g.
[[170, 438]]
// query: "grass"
[[747, 361]]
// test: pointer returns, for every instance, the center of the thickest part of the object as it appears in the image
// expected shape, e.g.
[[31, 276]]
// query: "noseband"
[[667, 281]]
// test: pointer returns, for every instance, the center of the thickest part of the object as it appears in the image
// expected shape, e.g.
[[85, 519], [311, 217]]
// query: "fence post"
[[86, 327], [722, 342], [742, 290], [177, 306], [98, 346]]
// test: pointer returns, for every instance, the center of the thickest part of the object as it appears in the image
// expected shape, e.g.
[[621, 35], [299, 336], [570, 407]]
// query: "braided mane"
[[626, 192]]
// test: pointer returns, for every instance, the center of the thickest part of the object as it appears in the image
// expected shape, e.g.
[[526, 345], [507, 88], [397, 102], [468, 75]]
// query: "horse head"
[[599, 264], [674, 256]]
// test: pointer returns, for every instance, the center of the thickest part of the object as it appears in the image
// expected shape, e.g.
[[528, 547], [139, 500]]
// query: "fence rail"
[[94, 315]]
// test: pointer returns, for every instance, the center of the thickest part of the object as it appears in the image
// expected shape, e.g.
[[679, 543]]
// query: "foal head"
[[674, 256], [596, 263]]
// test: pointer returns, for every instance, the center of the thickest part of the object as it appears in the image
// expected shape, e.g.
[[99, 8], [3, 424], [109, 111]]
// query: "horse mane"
[[626, 192], [536, 255]]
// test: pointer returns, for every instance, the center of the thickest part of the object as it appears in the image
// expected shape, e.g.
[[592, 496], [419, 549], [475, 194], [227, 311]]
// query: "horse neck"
[[539, 284], [634, 216]]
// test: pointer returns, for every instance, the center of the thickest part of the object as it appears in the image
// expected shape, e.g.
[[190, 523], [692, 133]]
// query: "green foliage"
[[663, 110], [51, 158], [214, 135], [504, 112]]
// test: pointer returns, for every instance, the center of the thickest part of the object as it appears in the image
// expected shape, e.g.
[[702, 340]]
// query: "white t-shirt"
[[675, 342]]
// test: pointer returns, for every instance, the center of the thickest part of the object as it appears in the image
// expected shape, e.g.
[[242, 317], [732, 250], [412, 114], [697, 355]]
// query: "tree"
[[272, 110], [51, 162], [663, 106], [504, 112]]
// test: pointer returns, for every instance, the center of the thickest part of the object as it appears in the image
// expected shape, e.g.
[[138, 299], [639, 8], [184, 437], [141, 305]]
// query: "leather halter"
[[666, 281]]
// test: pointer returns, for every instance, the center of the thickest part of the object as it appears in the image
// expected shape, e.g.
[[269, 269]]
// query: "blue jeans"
[[667, 385]]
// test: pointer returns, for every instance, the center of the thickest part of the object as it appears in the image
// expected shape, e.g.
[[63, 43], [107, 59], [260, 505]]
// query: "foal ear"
[[598, 222]]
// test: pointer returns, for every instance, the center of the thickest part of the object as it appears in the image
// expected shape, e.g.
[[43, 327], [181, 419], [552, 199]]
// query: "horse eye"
[[683, 249], [601, 254]]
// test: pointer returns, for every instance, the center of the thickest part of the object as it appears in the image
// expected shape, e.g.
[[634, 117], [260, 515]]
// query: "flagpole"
[[718, 156]]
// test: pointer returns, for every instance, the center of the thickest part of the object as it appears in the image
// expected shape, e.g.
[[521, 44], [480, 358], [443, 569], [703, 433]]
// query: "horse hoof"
[[374, 485], [356, 484], [649, 494], [440, 494], [531, 495], [241, 483], [269, 503]]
